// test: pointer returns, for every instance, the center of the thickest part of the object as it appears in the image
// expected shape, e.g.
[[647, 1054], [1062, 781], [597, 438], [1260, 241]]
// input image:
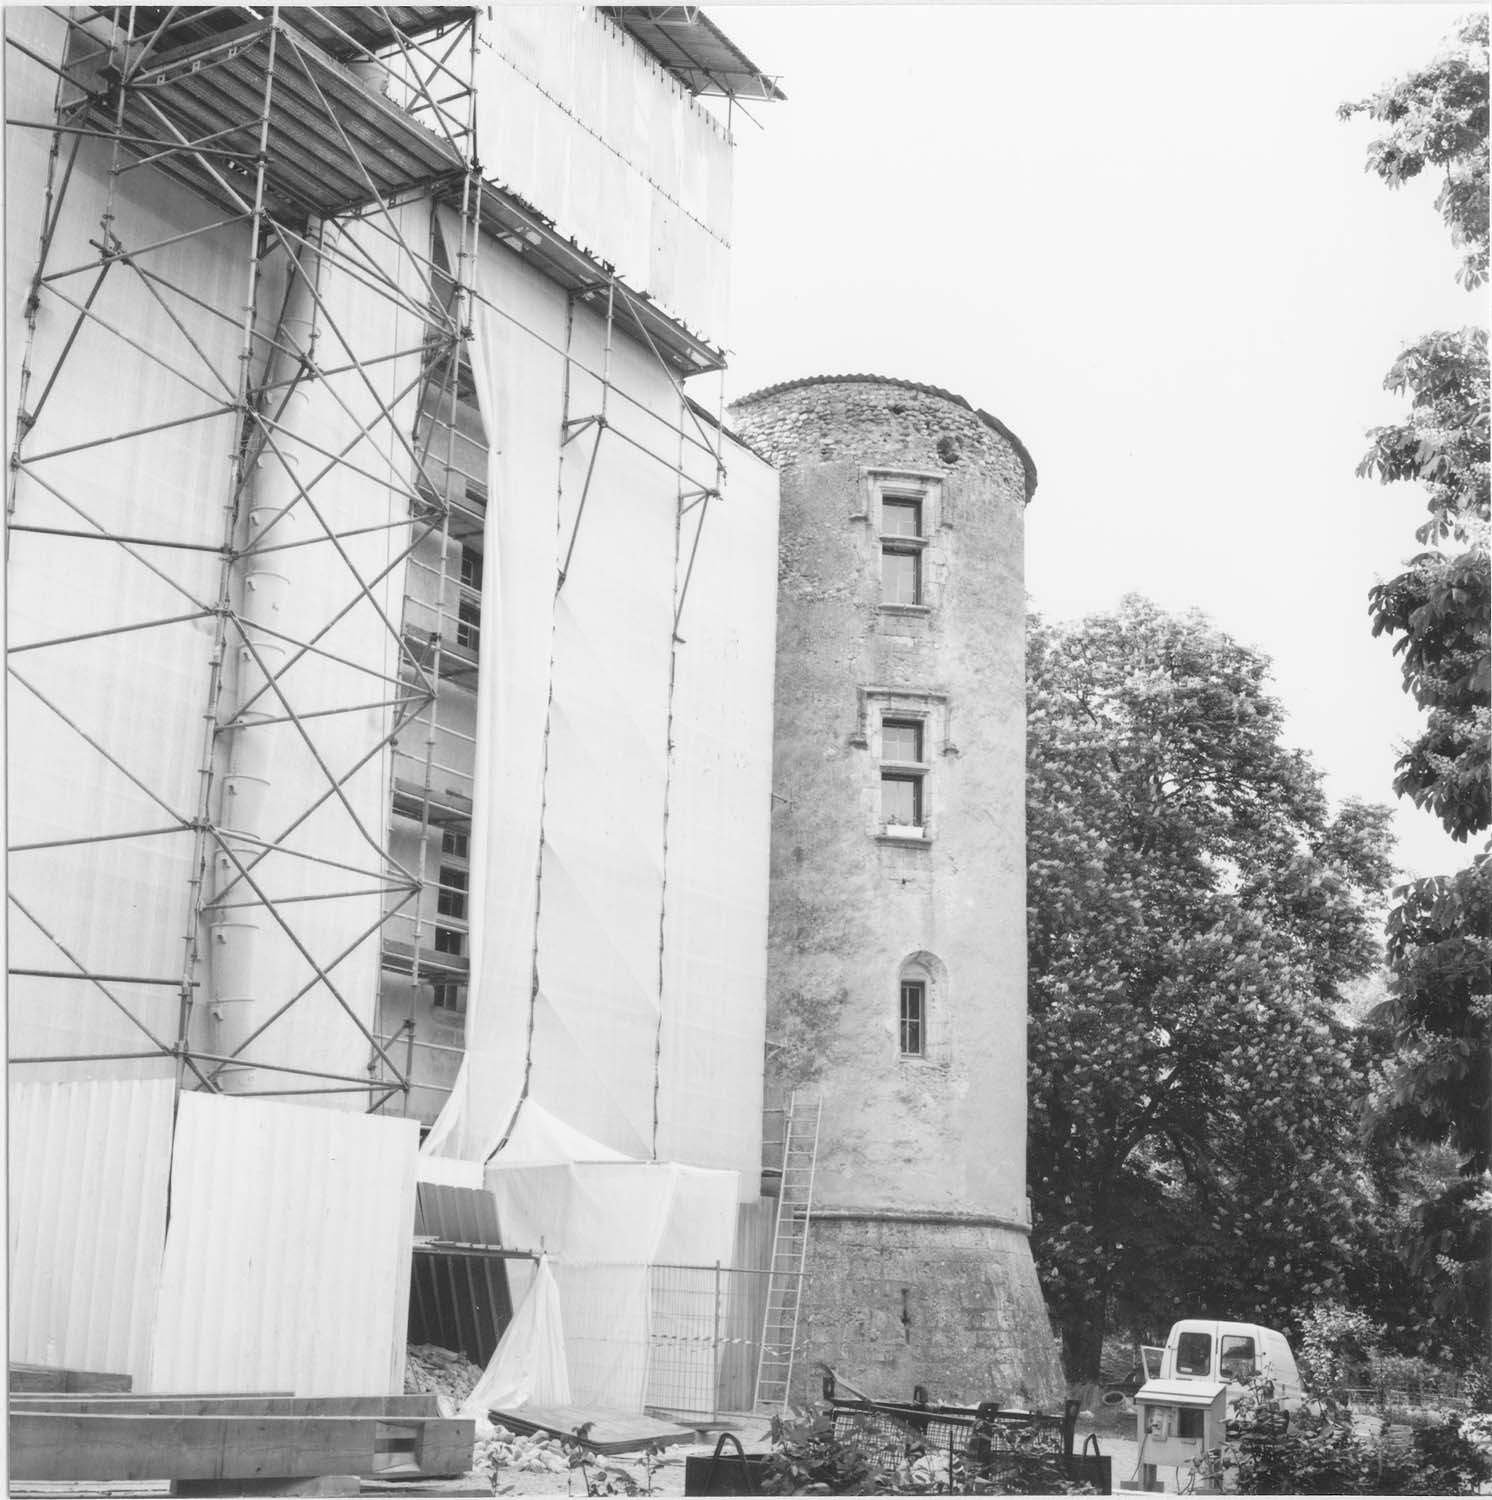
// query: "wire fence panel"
[[705, 1338], [959, 1447]]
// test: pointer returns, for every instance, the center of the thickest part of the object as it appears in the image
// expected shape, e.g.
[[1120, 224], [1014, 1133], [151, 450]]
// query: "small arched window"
[[922, 1016], [916, 991]]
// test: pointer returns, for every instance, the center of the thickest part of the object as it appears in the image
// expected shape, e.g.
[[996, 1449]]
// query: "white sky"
[[1139, 235]]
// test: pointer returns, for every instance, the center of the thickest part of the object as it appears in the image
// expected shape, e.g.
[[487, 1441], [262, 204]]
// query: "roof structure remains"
[[989, 420]]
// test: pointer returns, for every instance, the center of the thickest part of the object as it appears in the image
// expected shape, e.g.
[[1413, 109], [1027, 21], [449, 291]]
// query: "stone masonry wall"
[[922, 1270], [891, 1305]]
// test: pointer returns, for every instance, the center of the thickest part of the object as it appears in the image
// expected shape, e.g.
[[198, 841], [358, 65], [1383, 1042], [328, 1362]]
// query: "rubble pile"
[[448, 1376], [498, 1448]]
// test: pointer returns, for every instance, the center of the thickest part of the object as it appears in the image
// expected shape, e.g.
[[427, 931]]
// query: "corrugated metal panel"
[[458, 1301], [89, 1163], [287, 1261], [468, 1215]]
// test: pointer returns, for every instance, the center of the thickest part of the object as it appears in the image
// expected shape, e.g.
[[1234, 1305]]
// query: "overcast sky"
[[1139, 235]]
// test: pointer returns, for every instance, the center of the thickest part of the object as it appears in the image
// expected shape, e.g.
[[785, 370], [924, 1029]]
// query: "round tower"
[[897, 963]]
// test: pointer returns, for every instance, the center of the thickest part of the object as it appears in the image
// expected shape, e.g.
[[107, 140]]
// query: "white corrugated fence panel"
[[89, 1164], [288, 1256]]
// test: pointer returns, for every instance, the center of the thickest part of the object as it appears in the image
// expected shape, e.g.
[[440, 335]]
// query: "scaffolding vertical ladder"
[[800, 1141]]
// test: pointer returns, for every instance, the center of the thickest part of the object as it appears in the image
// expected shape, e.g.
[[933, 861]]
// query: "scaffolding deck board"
[[606, 1431], [334, 144]]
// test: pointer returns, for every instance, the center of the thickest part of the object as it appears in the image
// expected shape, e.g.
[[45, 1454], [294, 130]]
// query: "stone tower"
[[897, 961]]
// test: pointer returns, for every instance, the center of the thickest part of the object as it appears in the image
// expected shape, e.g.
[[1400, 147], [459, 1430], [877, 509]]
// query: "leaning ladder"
[[800, 1143]]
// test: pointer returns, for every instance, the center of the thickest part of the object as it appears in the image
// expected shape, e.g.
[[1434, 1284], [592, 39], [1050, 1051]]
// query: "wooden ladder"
[[800, 1143]]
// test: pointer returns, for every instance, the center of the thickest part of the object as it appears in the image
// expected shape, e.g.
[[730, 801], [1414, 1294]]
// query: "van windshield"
[[1194, 1354]]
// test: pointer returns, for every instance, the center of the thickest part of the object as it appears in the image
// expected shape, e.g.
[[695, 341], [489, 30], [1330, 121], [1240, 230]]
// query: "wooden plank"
[[322, 1485], [444, 1447], [56, 1445], [389, 1407], [25, 1377], [607, 1431]]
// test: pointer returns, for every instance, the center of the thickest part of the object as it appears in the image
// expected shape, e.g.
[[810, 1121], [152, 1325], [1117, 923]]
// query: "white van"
[[1232, 1353]]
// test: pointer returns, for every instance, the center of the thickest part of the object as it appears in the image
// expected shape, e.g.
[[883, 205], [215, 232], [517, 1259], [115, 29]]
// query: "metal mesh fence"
[[705, 1338], [960, 1448]]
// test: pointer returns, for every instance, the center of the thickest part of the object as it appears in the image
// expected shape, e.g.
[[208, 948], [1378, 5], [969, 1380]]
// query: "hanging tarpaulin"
[[520, 385], [622, 785], [528, 1365], [614, 1222]]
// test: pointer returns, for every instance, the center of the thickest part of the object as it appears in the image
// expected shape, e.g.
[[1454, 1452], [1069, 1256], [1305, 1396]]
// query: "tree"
[[1194, 913], [1438, 1017]]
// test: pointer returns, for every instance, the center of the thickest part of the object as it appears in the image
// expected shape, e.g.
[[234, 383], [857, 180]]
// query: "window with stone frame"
[[903, 541], [904, 772]]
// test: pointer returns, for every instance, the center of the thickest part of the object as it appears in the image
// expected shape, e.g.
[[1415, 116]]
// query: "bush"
[[1320, 1452], [1337, 1348], [808, 1459]]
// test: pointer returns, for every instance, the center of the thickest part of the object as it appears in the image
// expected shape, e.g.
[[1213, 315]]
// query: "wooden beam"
[[24, 1377], [65, 1444], [55, 1445], [384, 1407]]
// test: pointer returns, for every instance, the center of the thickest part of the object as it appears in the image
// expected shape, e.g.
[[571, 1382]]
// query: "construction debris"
[[451, 1377], [448, 1376]]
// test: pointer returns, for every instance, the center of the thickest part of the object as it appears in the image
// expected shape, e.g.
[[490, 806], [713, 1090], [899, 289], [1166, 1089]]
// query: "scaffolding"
[[327, 144]]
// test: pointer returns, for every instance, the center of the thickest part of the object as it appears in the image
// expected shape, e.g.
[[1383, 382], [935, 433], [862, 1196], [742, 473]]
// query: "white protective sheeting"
[[106, 733], [529, 1363], [520, 387], [288, 1257], [89, 1167], [118, 907], [719, 830], [576, 119], [613, 1221], [622, 793], [343, 590]]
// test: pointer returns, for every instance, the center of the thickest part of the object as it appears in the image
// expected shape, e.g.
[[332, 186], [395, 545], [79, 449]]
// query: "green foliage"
[[1440, 1013], [1335, 1347], [1438, 118], [1194, 911], [807, 1459], [1438, 1018], [1323, 1452], [1437, 610]]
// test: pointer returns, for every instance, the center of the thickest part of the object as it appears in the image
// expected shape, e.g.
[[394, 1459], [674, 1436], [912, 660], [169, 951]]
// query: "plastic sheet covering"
[[119, 752], [89, 1166], [618, 959], [576, 119], [715, 910], [609, 1222], [288, 1257], [118, 907], [529, 1363], [519, 389], [347, 596]]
